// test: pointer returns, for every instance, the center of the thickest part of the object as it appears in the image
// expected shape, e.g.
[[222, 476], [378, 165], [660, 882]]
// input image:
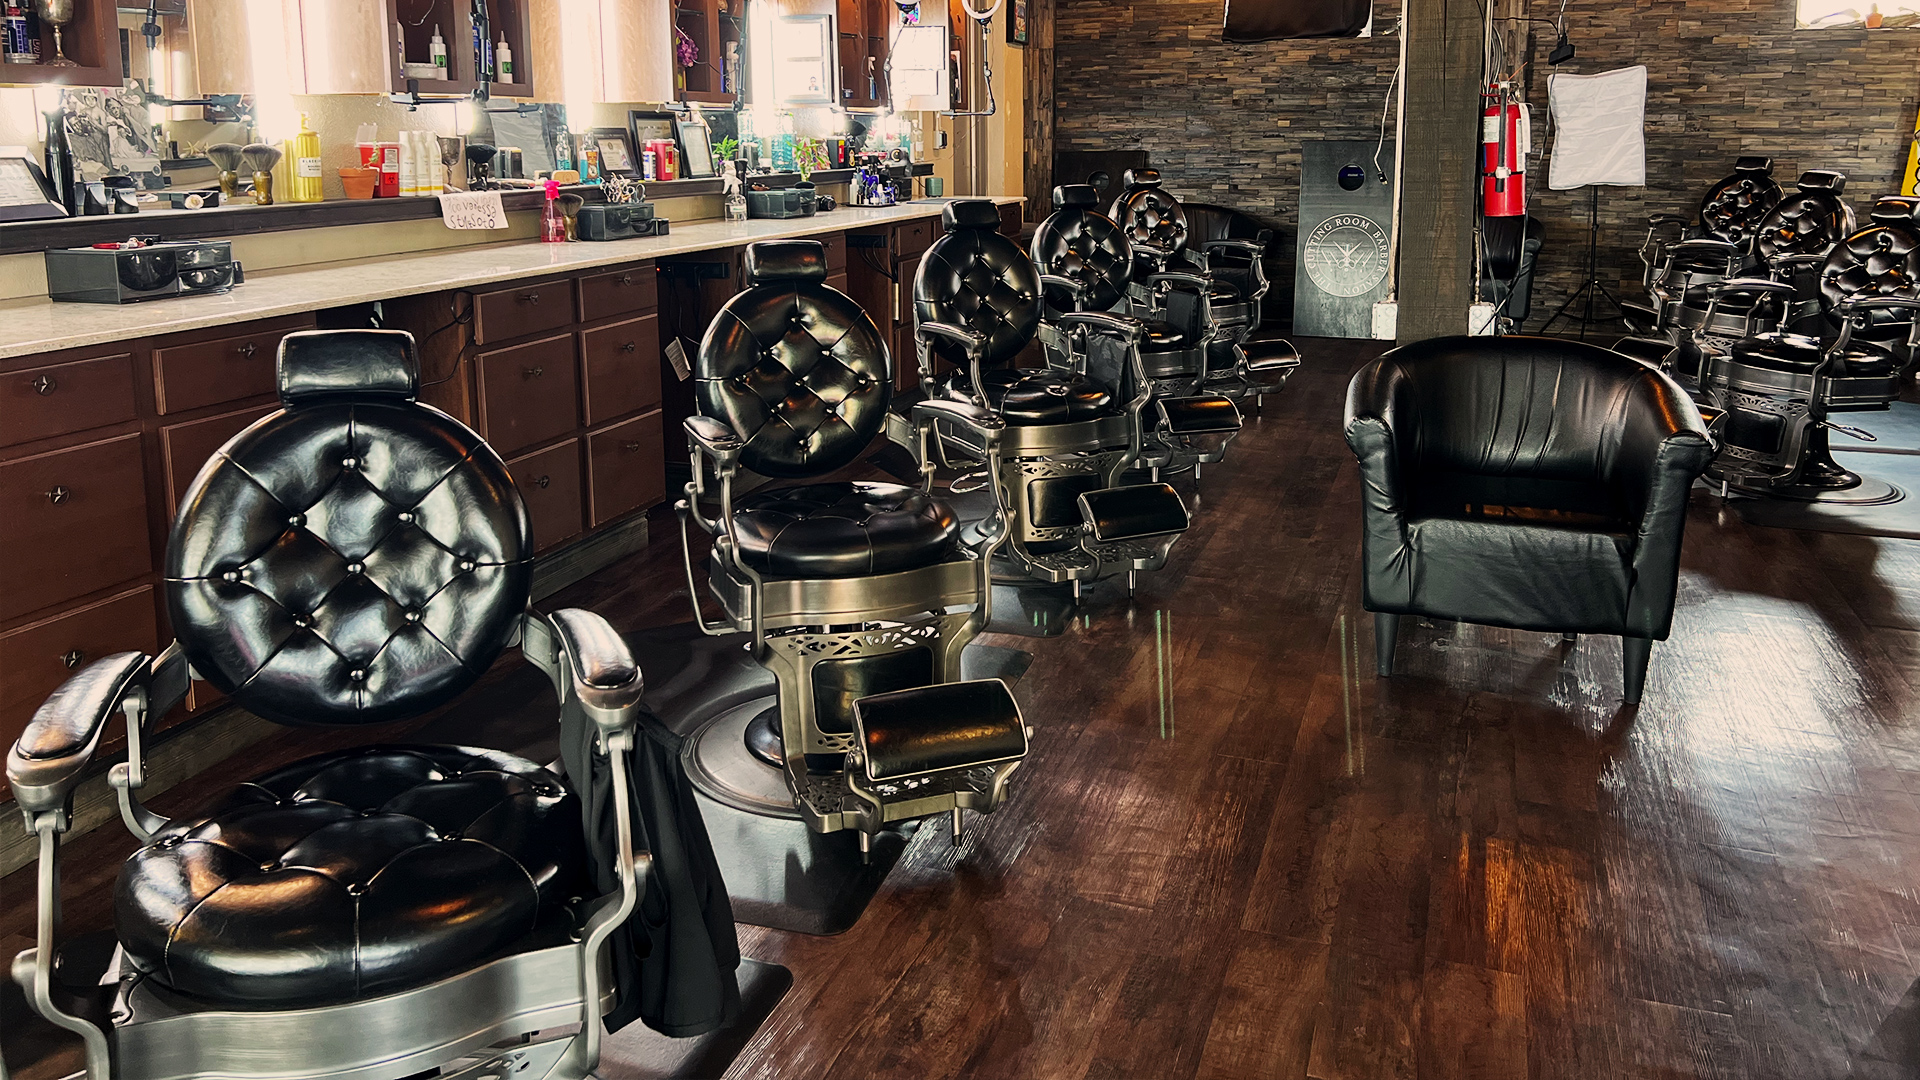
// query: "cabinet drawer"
[[36, 403], [836, 245], [619, 292], [71, 522], [210, 372], [549, 481], [626, 468], [186, 447], [528, 393], [37, 658], [913, 237], [622, 365], [515, 312]]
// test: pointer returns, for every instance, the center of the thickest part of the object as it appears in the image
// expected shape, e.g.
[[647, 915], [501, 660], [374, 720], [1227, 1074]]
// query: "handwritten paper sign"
[[472, 210]]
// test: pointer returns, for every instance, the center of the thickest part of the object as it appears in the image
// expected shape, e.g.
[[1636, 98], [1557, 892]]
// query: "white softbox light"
[[1600, 129]]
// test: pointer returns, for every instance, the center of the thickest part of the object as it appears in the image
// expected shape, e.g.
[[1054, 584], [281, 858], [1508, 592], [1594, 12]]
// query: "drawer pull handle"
[[530, 298], [59, 494], [535, 372], [72, 658], [542, 481], [45, 385], [631, 447], [630, 346], [249, 349], [624, 279]]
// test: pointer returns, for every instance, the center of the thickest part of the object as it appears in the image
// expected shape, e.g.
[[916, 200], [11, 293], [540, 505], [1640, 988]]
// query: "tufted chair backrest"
[[1882, 259], [795, 368], [977, 278], [1809, 221], [1734, 208], [1148, 214], [354, 558], [1079, 242]]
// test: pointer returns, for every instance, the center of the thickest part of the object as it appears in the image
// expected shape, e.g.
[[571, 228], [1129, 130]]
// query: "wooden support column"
[[1037, 139], [1437, 171]]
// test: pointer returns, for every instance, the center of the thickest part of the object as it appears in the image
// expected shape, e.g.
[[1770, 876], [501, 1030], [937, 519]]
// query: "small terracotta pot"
[[359, 182]]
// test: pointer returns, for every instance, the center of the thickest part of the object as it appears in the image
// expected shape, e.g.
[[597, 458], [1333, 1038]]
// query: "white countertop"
[[41, 325]]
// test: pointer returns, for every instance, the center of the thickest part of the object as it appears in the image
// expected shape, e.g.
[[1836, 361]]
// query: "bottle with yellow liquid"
[[303, 169], [1910, 180]]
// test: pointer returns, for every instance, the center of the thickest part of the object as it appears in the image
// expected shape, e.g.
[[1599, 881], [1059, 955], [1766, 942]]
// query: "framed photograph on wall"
[[616, 153], [1017, 24], [696, 150]]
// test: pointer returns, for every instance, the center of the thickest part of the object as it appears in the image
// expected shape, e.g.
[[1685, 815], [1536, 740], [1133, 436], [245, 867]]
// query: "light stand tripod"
[[1591, 289]]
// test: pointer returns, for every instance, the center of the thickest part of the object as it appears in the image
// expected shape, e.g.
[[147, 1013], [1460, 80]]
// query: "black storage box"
[[793, 202], [614, 221]]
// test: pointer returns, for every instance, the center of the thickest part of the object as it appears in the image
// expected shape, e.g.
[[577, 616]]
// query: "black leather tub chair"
[[388, 911], [1525, 482]]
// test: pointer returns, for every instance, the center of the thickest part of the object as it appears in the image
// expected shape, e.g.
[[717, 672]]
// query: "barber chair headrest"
[[1075, 197], [785, 260], [1895, 209], [1754, 164], [1139, 178], [1820, 180], [971, 214], [317, 364]]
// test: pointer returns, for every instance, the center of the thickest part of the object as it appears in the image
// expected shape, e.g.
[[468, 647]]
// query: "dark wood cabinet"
[[72, 523], [41, 402], [866, 33], [711, 25], [91, 40], [415, 21]]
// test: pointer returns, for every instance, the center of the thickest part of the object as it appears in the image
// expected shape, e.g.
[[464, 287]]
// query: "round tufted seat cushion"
[[1799, 353], [1028, 397], [843, 529], [350, 875]]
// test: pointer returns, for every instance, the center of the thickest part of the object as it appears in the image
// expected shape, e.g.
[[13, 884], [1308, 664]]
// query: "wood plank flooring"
[[1274, 865]]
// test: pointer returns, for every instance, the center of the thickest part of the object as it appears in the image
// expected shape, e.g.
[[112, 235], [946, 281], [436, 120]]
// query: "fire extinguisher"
[[1505, 140]]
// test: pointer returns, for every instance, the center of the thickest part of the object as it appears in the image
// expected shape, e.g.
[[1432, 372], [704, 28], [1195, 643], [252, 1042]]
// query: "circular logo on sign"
[[1346, 255]]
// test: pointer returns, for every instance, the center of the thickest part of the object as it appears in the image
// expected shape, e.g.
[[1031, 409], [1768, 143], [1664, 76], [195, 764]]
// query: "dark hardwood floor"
[[1273, 864]]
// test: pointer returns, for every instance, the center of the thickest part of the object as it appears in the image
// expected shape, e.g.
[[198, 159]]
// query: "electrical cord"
[[1385, 103], [459, 319]]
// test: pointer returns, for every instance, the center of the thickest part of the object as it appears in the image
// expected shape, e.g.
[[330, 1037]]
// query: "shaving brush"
[[261, 158], [479, 165], [226, 157]]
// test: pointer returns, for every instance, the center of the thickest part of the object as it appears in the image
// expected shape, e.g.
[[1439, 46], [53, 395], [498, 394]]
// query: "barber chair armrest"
[[714, 438], [1153, 251], [973, 341], [1658, 220], [1748, 286], [1797, 261], [1238, 247], [45, 764], [981, 422], [1067, 285], [1877, 303], [1101, 322], [1180, 280], [589, 663]]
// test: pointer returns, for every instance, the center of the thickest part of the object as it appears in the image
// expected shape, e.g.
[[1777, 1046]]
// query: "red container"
[[385, 157], [667, 163]]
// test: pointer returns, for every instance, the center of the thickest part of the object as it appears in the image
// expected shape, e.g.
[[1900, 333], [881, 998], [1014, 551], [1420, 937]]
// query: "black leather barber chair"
[[1070, 432], [1791, 242], [852, 592], [1680, 253], [1477, 508], [1511, 245], [358, 558], [1779, 390], [1086, 264], [1164, 241]]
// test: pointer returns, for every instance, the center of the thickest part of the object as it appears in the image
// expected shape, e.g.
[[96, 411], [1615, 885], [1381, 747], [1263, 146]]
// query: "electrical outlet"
[[1480, 319], [1386, 320]]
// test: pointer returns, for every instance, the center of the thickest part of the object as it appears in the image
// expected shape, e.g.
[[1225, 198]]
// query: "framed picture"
[[1017, 25], [645, 127], [25, 194], [696, 150], [616, 152]]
